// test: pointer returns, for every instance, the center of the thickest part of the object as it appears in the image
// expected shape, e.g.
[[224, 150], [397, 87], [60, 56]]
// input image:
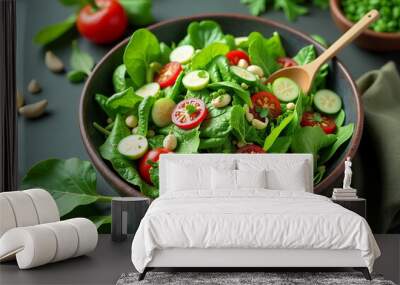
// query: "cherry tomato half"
[[286, 62], [104, 24], [189, 113], [144, 166], [265, 102], [168, 74], [316, 119], [235, 55], [250, 148]]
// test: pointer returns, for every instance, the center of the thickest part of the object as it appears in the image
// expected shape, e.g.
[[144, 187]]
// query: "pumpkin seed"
[[53, 62], [34, 86], [35, 110]]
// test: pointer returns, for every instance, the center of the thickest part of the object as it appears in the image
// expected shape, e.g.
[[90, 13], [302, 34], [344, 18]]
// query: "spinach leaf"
[[229, 40], [102, 101], [81, 60], [188, 140], [275, 132], [210, 143], [319, 174], [154, 173], [120, 80], [254, 135], [256, 7], [238, 123], [302, 103], [343, 134], [156, 141], [320, 78], [123, 102], [213, 71], [291, 9], [205, 56], [165, 51], [204, 33], [311, 140], [305, 55], [138, 11], [261, 55], [319, 39], [281, 145], [217, 127], [55, 31], [339, 118], [239, 91], [76, 76], [142, 49], [274, 46], [71, 182], [124, 167], [144, 114]]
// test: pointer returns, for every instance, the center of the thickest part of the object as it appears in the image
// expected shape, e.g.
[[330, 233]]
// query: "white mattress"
[[255, 218]]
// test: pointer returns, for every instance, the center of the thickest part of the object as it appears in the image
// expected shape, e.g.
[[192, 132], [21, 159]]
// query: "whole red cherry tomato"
[[144, 166], [235, 55], [102, 24]]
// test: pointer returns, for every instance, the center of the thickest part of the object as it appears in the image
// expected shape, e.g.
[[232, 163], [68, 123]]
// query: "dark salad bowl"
[[174, 30]]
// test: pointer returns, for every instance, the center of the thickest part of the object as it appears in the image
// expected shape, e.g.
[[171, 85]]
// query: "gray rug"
[[243, 278]]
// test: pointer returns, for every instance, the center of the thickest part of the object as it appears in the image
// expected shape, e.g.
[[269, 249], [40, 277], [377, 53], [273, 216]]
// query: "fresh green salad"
[[210, 93]]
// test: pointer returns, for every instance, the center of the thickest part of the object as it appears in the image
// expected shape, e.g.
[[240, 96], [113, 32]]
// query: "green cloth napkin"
[[377, 164]]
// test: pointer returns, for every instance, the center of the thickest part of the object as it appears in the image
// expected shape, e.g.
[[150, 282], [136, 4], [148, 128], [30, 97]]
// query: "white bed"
[[281, 226]]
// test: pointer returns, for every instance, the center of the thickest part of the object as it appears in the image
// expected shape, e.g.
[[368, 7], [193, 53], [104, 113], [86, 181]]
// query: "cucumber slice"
[[150, 89], [182, 54], [240, 40], [243, 75], [196, 80], [327, 101], [133, 146], [285, 89]]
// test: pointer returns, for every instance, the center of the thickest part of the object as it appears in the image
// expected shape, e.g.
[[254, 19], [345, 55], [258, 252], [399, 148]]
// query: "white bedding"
[[251, 218]]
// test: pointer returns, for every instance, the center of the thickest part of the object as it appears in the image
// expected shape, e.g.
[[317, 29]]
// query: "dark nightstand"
[[357, 205]]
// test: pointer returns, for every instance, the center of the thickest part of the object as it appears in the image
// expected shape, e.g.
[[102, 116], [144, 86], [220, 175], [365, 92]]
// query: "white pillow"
[[251, 178], [186, 176], [223, 179], [292, 179]]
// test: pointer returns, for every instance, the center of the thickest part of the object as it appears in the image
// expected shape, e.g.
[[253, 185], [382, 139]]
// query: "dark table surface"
[[110, 259], [57, 133]]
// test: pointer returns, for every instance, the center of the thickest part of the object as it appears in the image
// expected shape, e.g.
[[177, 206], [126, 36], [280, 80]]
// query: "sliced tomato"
[[251, 148], [144, 166], [189, 113], [235, 55], [317, 119], [168, 74], [265, 101], [286, 62]]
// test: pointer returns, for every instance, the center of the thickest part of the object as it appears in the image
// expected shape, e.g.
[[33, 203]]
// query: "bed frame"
[[246, 258]]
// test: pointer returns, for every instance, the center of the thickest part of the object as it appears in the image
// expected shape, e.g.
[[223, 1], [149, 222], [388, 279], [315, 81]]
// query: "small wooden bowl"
[[369, 39]]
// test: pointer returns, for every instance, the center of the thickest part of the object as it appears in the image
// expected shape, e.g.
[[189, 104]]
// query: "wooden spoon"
[[305, 74]]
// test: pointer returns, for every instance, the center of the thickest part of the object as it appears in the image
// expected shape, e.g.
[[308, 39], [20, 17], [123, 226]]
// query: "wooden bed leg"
[[143, 274], [364, 271]]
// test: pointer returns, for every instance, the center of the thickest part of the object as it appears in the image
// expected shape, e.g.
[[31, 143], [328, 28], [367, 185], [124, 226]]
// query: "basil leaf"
[[81, 61], [256, 7], [71, 182], [305, 55], [76, 76], [205, 56], [53, 32], [142, 49], [204, 33], [343, 134], [138, 11]]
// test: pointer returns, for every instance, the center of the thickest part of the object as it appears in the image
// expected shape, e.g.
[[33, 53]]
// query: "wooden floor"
[[110, 260]]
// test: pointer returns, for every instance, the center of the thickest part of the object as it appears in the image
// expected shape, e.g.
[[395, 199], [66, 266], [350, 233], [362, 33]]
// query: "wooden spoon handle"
[[345, 39]]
